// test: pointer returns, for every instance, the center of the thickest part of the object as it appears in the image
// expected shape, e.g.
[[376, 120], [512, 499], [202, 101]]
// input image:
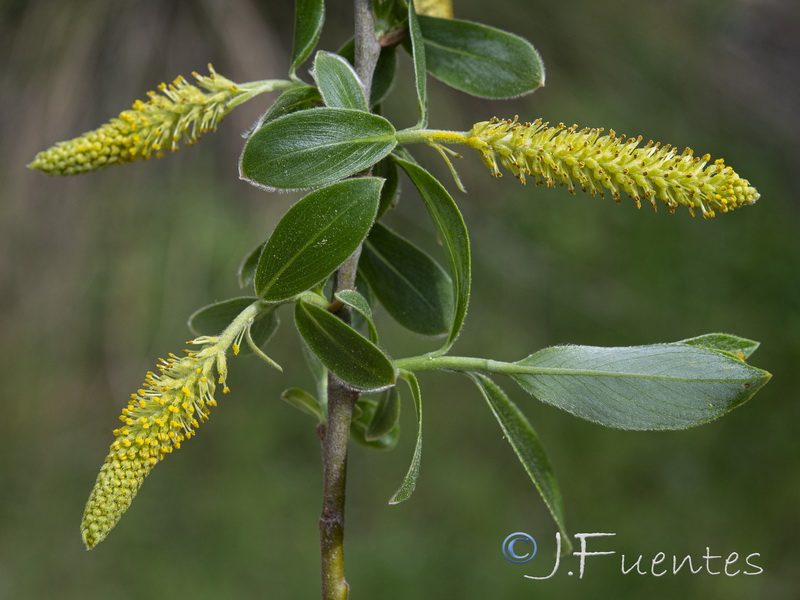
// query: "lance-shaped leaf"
[[309, 16], [480, 60], [338, 83], [387, 168], [313, 147], [358, 303], [410, 480], [304, 402], [385, 69], [384, 75], [211, 320], [386, 417], [663, 386], [318, 371], [247, 268], [412, 287], [453, 233], [315, 236], [345, 352], [420, 69], [364, 413], [525, 442]]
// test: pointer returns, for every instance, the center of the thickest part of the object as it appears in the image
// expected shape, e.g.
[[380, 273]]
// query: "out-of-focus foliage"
[[97, 277]]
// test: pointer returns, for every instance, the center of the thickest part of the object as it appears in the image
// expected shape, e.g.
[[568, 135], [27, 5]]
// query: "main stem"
[[342, 399], [341, 402]]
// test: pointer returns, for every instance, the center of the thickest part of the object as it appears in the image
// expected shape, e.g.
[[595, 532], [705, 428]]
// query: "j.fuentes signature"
[[520, 548]]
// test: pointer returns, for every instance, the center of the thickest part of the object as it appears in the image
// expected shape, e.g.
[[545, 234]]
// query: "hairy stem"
[[435, 137], [341, 398], [367, 47]]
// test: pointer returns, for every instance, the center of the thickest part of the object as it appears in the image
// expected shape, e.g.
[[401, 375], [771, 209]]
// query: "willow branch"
[[341, 398]]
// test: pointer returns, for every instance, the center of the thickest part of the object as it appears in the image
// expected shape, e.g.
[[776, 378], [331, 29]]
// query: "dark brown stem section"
[[341, 398]]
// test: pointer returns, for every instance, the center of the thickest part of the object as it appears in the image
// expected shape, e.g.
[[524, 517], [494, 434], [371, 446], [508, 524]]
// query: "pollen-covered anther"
[[615, 162]]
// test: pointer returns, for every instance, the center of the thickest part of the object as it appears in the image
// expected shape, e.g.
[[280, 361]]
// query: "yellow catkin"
[[159, 417], [180, 111], [597, 163], [435, 8]]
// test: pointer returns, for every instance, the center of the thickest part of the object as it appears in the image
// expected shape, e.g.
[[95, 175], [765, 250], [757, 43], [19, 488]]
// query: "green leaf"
[[386, 417], [363, 288], [480, 60], [390, 193], [314, 147], [345, 352], [410, 480], [318, 371], [525, 442], [292, 100], [420, 71], [384, 75], [211, 320], [453, 233], [338, 83], [723, 342], [357, 302], [362, 416], [385, 69], [304, 402], [663, 386], [247, 268], [315, 236], [412, 287], [309, 16]]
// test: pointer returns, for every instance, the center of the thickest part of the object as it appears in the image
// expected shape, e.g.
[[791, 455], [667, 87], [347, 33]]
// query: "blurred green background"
[[98, 274]]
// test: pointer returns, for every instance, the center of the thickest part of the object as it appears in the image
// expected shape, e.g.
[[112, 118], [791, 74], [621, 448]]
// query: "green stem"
[[430, 362], [254, 88], [436, 137], [241, 322]]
